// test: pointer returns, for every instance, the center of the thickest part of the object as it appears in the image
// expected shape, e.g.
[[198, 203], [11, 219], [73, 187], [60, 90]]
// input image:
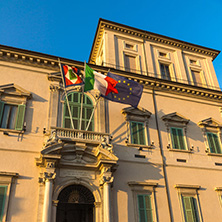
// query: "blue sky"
[[67, 28]]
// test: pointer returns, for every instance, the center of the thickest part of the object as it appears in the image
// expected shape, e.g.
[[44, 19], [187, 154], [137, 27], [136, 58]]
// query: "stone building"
[[161, 161]]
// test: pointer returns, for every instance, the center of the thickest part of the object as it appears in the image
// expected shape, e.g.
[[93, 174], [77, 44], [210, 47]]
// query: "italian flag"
[[95, 80], [70, 75]]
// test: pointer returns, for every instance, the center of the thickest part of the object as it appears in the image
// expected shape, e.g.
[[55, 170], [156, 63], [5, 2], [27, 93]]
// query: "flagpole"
[[70, 114], [93, 112], [80, 120]]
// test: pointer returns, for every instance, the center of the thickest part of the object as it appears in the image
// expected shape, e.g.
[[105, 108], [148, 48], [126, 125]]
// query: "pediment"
[[15, 90], [210, 122], [175, 117], [78, 154], [139, 111]]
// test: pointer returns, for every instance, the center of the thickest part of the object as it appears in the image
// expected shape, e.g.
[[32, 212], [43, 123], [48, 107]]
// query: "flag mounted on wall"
[[71, 75], [129, 91], [95, 80]]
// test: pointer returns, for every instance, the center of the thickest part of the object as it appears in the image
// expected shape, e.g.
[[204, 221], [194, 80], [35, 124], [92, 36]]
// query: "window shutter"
[[148, 208], [3, 191], [190, 209], [211, 143], [145, 208], [217, 144], [20, 117], [181, 140], [174, 138], [142, 212], [141, 133], [1, 110]]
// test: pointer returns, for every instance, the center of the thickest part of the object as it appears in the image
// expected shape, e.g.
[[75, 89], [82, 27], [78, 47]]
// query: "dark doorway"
[[76, 204]]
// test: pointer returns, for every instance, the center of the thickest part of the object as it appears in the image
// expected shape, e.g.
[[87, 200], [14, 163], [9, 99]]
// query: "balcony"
[[80, 135]]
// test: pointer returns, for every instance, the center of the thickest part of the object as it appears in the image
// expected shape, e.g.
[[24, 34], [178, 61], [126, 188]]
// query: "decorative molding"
[[143, 184], [175, 117], [185, 186], [210, 122], [14, 90], [145, 35]]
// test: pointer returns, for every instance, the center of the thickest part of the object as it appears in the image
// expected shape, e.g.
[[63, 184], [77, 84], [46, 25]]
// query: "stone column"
[[46, 215], [106, 202], [106, 181]]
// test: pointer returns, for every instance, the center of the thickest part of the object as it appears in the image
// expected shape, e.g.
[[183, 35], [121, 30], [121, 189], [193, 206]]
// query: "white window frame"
[[143, 188], [203, 80], [141, 116], [134, 48], [7, 179], [137, 61], [211, 126], [219, 194], [175, 120], [12, 94], [189, 191]]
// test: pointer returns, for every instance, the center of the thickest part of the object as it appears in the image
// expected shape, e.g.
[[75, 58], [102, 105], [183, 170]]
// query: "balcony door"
[[75, 99]]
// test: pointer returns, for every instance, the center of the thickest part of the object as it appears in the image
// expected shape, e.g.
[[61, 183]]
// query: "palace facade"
[[159, 162]]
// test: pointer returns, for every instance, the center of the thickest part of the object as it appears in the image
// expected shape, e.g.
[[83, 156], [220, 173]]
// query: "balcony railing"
[[159, 76], [81, 135]]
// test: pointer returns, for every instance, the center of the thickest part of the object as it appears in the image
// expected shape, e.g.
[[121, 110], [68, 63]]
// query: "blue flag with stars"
[[129, 91]]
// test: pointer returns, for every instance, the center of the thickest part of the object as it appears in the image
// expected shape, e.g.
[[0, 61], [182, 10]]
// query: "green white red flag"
[[71, 75], [95, 80]]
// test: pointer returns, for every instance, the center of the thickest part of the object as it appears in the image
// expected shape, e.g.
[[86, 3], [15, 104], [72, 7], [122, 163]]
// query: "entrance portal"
[[76, 204]]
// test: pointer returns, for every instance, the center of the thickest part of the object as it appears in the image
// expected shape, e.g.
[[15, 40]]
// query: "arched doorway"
[[76, 204]]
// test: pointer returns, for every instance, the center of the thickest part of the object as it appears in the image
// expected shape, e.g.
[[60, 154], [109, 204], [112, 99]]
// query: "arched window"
[[75, 107]]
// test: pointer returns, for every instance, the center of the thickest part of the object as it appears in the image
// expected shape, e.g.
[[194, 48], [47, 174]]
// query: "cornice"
[[34, 59], [49, 62], [145, 35]]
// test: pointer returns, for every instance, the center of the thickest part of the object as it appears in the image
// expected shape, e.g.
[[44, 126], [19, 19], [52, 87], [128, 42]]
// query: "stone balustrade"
[[80, 135]]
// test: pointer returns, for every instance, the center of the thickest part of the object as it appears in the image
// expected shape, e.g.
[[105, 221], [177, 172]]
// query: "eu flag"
[[129, 91]]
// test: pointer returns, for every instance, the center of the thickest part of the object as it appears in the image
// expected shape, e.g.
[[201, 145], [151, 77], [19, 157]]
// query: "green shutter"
[[190, 209], [1, 110], [181, 139], [177, 138], [20, 117], [213, 142], [137, 133], [145, 208], [174, 138], [216, 142], [3, 192]]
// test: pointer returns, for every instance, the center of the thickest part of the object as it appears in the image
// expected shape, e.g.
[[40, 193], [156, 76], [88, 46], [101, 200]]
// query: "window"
[[137, 126], [6, 182], [129, 46], [219, 193], [11, 116], [177, 138], [145, 208], [75, 107], [176, 125], [165, 71], [3, 193], [12, 107], [211, 132], [162, 54], [130, 63], [213, 142], [189, 202], [137, 133], [197, 80], [144, 200], [190, 209]]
